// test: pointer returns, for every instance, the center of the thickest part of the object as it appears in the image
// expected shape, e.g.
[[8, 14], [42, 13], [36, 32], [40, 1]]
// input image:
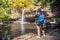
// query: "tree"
[[5, 16], [43, 2], [20, 3]]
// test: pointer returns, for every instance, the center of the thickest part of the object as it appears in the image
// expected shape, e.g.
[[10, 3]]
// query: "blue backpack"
[[41, 18]]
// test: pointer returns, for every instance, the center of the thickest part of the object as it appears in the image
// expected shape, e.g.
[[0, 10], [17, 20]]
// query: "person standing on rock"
[[40, 22]]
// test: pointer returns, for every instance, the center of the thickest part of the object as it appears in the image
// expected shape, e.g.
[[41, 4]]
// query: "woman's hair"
[[39, 10]]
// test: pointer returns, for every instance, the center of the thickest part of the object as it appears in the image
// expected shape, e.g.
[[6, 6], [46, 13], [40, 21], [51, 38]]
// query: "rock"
[[32, 36]]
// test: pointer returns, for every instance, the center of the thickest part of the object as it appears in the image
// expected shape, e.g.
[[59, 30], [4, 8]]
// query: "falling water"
[[22, 22]]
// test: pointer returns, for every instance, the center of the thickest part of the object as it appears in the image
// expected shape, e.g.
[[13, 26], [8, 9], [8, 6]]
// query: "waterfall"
[[22, 22]]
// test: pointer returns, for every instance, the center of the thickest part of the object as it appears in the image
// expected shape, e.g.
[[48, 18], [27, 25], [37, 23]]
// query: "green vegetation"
[[4, 16], [5, 30], [44, 2]]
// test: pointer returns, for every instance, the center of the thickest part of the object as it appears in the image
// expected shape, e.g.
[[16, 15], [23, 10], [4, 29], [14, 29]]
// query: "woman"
[[40, 21]]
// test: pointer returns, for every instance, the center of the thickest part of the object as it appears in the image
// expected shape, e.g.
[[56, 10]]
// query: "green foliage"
[[43, 2], [5, 29], [3, 3], [3, 16], [20, 3], [6, 17], [4, 8]]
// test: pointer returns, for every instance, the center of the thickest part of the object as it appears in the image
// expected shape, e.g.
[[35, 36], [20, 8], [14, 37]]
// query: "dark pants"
[[40, 29]]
